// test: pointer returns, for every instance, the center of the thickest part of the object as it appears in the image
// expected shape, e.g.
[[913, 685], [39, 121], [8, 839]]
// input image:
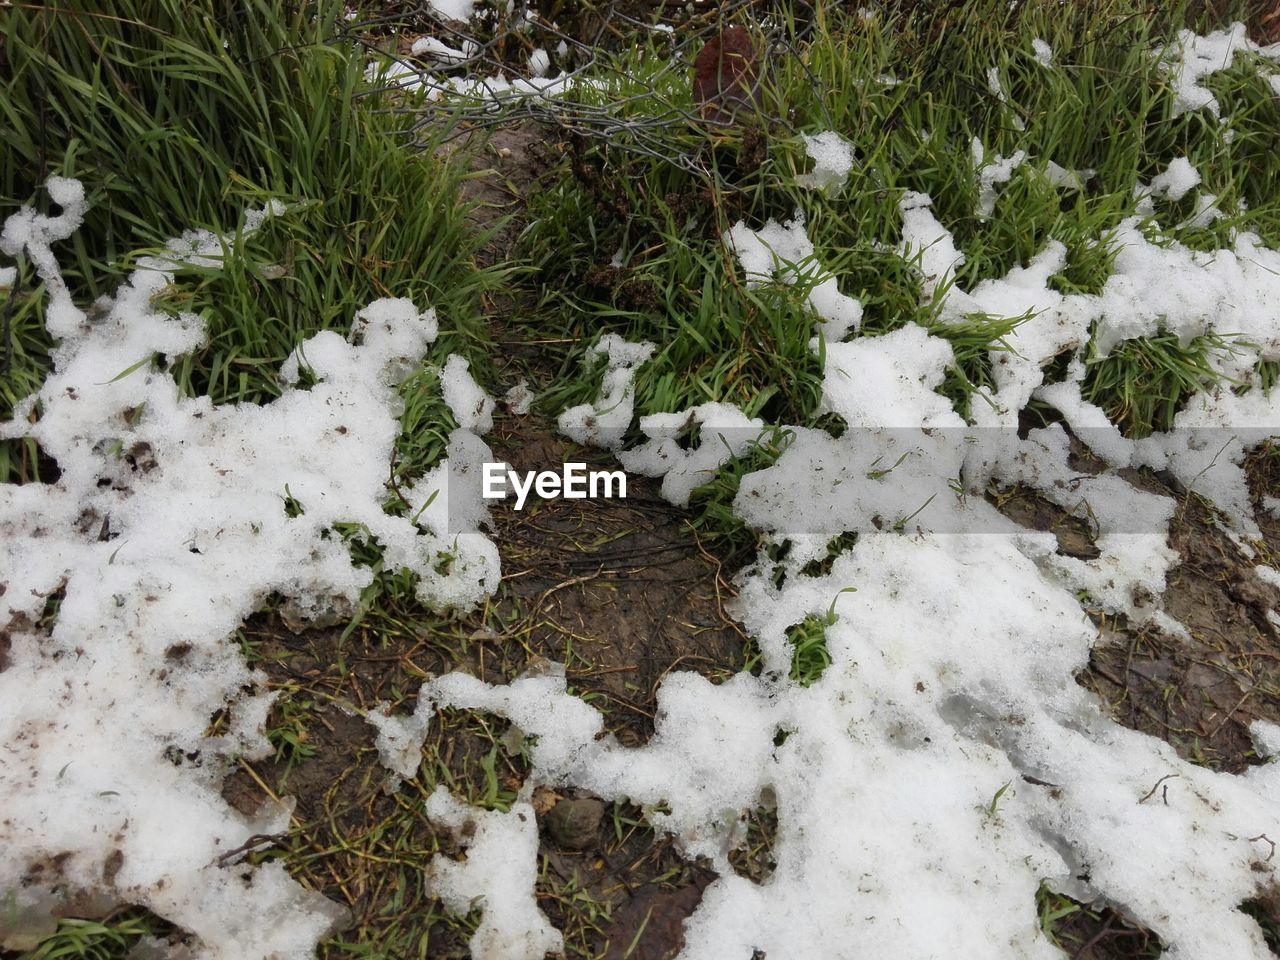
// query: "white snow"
[[1059, 176], [439, 52], [34, 232], [997, 170], [470, 405], [724, 432], [193, 498], [785, 253], [926, 241], [1190, 58], [539, 63], [1178, 179], [995, 86], [890, 380], [498, 874], [832, 155], [1266, 738], [519, 398], [453, 9], [605, 422], [1266, 574]]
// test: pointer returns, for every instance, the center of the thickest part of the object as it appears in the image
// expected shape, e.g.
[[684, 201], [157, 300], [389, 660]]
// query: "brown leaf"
[[725, 75]]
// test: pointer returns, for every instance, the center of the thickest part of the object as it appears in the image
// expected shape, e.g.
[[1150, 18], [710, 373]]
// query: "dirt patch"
[[622, 591], [1025, 506], [626, 896], [1085, 933], [1199, 694]]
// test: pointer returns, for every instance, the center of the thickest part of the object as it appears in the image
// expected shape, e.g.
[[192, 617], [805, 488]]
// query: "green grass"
[[1078, 929], [809, 655], [182, 113], [107, 939], [1143, 383], [1106, 105]]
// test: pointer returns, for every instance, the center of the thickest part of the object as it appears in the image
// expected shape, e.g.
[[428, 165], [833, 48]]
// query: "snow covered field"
[[926, 784]]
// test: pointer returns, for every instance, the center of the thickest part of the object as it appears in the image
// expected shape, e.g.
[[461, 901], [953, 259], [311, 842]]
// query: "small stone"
[[575, 824]]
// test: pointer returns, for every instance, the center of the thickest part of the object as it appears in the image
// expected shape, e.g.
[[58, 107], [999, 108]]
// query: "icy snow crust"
[[942, 767]]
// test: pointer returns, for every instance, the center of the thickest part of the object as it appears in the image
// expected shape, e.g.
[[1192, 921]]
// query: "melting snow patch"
[[471, 406], [724, 432], [1191, 58], [785, 252], [440, 53], [991, 172], [995, 86], [460, 10], [519, 398], [832, 155], [1177, 180], [498, 875], [605, 422], [161, 554]]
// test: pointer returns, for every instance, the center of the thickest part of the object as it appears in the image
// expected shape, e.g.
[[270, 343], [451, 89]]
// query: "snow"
[[605, 422], [926, 242], [995, 86], [832, 155], [1190, 59], [470, 405], [724, 432], [193, 498], [498, 874], [785, 253], [991, 172], [519, 398], [539, 63], [1156, 285], [440, 53], [890, 380], [34, 232], [1059, 176], [1266, 737], [886, 785], [1177, 180], [453, 9]]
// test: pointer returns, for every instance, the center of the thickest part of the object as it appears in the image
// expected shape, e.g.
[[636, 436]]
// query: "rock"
[[575, 824]]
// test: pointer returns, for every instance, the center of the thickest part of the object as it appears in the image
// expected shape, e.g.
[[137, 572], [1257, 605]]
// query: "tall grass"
[[910, 90], [179, 114], [909, 87]]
